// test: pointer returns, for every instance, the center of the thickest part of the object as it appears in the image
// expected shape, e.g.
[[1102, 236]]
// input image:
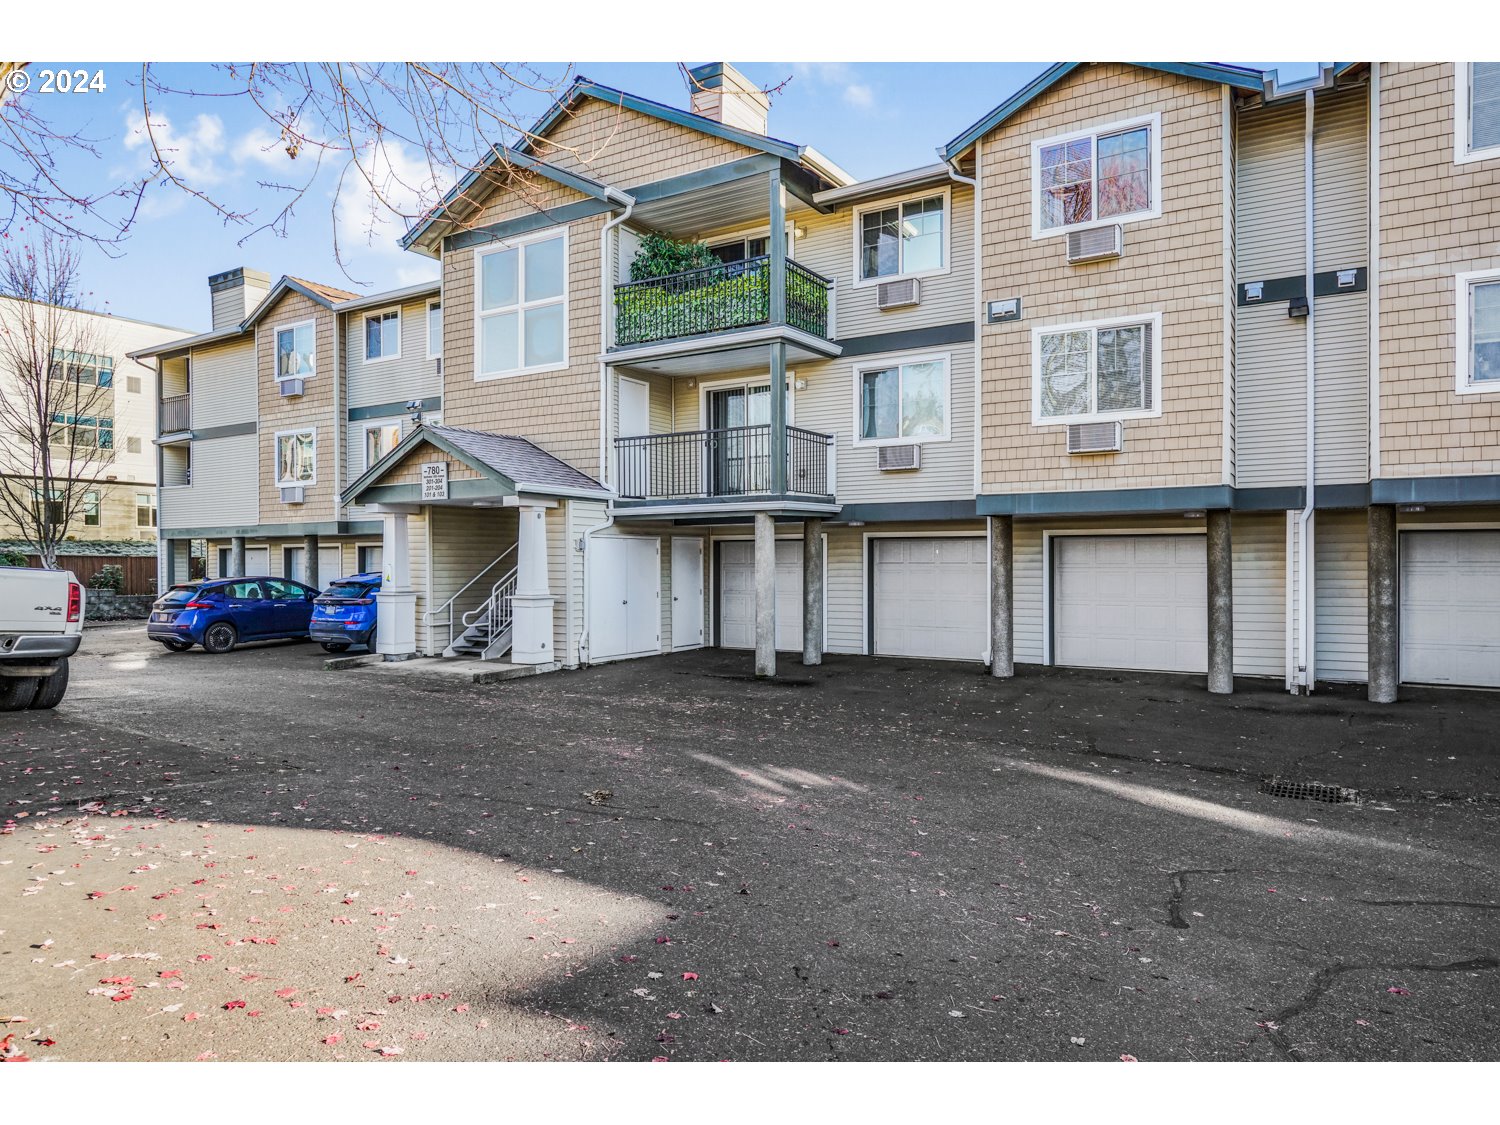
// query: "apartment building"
[[120, 498], [263, 420], [1163, 366]]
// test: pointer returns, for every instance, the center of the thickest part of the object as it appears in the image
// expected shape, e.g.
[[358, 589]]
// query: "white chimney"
[[723, 94], [235, 293]]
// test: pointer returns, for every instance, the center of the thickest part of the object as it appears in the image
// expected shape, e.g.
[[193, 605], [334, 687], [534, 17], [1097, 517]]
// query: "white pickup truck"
[[41, 625]]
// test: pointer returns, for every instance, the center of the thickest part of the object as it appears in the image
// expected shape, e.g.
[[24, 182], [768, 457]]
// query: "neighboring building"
[[269, 414], [120, 500], [1231, 372]]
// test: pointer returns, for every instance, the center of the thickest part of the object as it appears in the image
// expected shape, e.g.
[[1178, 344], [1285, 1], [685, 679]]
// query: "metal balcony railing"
[[717, 298], [708, 464], [176, 414]]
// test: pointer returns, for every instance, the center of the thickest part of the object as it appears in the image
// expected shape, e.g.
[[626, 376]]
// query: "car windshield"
[[181, 595], [347, 590]]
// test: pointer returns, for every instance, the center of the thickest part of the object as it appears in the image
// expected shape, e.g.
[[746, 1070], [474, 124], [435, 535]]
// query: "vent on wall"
[[896, 294], [1095, 244], [1096, 437], [294, 494], [290, 388], [898, 458]]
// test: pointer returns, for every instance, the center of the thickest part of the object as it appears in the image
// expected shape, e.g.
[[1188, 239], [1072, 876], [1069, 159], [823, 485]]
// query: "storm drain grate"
[[1309, 791]]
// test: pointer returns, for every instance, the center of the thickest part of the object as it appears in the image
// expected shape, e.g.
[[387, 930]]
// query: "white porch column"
[[531, 635], [396, 601]]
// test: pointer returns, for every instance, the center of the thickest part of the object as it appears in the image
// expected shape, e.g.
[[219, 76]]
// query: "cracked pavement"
[[876, 859]]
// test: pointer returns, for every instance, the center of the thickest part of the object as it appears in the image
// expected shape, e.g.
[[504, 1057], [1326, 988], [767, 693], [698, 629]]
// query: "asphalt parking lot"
[[251, 857]]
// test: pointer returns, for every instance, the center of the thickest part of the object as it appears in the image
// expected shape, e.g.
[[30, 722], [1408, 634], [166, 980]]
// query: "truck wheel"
[[52, 688], [220, 637], [17, 692]]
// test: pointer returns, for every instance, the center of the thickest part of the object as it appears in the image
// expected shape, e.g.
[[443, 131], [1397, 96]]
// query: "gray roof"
[[518, 459]]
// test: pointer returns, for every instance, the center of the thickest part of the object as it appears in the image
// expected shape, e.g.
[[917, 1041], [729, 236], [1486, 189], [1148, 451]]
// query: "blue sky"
[[872, 118]]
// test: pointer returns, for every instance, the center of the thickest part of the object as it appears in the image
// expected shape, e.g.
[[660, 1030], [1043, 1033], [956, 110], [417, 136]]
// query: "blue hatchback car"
[[221, 613], [344, 614]]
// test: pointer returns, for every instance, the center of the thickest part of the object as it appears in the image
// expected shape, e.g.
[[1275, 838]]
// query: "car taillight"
[[75, 601], [364, 601], [199, 605]]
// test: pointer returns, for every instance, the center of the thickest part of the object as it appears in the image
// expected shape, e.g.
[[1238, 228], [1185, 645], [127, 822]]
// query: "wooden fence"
[[140, 570]]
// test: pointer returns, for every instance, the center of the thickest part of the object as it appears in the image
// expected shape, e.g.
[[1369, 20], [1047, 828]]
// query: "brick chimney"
[[235, 293], [723, 94]]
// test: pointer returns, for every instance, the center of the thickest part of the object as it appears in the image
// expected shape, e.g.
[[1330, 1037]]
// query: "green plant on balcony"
[[660, 256]]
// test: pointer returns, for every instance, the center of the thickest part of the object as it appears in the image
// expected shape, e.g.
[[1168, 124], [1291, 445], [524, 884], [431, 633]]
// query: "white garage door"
[[737, 594], [931, 598], [1450, 607], [257, 561], [1130, 601], [624, 597], [330, 565]]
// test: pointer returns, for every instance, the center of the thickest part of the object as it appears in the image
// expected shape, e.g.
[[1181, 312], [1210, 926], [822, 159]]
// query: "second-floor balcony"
[[723, 465], [176, 414], [718, 298]]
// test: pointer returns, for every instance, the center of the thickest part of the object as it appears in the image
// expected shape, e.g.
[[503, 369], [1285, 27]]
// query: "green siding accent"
[[391, 409], [276, 530]]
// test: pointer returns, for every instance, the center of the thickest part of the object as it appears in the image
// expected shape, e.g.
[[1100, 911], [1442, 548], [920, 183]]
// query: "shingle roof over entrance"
[[518, 459]]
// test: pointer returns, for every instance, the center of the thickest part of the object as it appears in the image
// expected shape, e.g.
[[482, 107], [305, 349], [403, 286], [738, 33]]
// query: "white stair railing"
[[495, 618], [449, 607]]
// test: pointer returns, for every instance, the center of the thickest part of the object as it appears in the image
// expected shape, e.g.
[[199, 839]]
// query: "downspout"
[[1304, 523], [338, 430], [973, 182]]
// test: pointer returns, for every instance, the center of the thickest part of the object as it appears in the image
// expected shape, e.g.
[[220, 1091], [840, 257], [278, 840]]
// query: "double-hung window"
[[521, 300], [1476, 111], [1098, 176], [1477, 363], [1098, 371], [902, 402], [295, 354], [91, 509], [380, 439], [905, 239], [383, 335], [434, 330], [295, 457], [145, 509]]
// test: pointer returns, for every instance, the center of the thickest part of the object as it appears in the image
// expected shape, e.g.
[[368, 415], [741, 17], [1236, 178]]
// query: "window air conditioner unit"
[[896, 294], [1096, 244], [291, 388], [293, 494], [898, 458], [1096, 437]]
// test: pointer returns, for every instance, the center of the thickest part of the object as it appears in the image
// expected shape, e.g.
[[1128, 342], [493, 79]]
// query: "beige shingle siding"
[[1437, 218], [1173, 264], [313, 409], [625, 149], [224, 384]]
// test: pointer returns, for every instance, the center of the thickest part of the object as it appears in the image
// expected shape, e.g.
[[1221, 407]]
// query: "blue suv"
[[344, 614], [221, 613]]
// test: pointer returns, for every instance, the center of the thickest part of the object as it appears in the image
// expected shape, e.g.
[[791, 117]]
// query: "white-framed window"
[[902, 401], [296, 457], [521, 306], [91, 509], [1106, 174], [905, 237], [380, 438], [296, 351], [382, 335], [1097, 371], [434, 329], [1476, 111], [1477, 364], [145, 509]]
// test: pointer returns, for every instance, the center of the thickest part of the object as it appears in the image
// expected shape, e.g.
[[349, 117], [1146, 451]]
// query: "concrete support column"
[[1002, 598], [812, 591], [396, 601], [168, 563], [1384, 598], [1220, 603], [531, 605], [310, 562], [765, 595], [237, 556]]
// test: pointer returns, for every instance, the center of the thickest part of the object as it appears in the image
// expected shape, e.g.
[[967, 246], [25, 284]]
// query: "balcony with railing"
[[176, 414], [732, 464], [716, 299]]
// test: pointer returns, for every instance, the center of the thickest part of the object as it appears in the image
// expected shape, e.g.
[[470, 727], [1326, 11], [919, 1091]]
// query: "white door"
[[931, 598], [1450, 607], [292, 563], [624, 597], [330, 565], [737, 594], [687, 593], [257, 562], [635, 420], [370, 560], [1130, 601]]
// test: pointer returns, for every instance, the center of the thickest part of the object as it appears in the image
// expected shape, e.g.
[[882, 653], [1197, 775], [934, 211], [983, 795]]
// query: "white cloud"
[[260, 146], [839, 78], [191, 155], [371, 207], [859, 95]]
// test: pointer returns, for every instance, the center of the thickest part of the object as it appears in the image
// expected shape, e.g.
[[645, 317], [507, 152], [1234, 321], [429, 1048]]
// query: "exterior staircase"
[[487, 630]]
